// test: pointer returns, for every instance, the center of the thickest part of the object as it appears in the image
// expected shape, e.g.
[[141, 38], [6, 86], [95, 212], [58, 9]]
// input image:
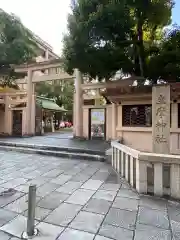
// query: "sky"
[[176, 10], [48, 19]]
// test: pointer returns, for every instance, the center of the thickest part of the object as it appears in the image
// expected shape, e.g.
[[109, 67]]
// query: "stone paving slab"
[[48, 231], [16, 226], [61, 179], [149, 232], [4, 236], [92, 184], [153, 217], [153, 203], [126, 204], [6, 216], [69, 187], [105, 195], [175, 226], [110, 187], [72, 234], [40, 213], [127, 193], [115, 232], [121, 218], [80, 196], [87, 221], [101, 238], [20, 205], [80, 177], [64, 214], [5, 200], [97, 206], [91, 203], [53, 200]]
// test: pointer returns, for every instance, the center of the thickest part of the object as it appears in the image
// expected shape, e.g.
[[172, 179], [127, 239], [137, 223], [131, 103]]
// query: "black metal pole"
[[31, 210]]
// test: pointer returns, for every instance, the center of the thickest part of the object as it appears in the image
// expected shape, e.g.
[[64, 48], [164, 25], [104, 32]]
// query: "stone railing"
[[133, 165]]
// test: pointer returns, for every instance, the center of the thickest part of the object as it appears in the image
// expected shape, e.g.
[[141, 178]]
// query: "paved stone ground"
[[79, 200], [63, 139]]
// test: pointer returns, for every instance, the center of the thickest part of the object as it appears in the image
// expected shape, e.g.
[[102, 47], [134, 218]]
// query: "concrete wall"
[[139, 138], [108, 122], [5, 124], [86, 122], [2, 126], [24, 122]]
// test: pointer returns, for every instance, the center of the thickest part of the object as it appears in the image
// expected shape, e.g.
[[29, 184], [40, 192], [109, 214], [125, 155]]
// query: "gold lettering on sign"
[[161, 123]]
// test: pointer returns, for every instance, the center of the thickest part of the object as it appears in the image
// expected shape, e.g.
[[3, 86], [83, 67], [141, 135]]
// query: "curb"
[[53, 148], [66, 154]]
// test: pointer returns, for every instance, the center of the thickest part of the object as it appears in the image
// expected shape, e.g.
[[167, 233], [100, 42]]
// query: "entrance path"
[[62, 139], [79, 200]]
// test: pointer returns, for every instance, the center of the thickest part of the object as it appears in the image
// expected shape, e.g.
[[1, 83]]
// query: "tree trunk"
[[140, 43], [137, 71]]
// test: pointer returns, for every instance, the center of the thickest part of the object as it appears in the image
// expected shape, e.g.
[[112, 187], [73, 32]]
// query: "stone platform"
[[79, 200], [59, 145], [61, 139]]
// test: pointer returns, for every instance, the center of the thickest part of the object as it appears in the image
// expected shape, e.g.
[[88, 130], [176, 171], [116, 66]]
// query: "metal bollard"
[[31, 210]]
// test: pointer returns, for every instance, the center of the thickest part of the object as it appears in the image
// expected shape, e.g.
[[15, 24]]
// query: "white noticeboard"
[[97, 116]]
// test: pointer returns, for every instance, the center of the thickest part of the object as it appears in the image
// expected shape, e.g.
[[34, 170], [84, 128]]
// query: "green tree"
[[106, 36], [17, 46], [167, 58], [61, 92]]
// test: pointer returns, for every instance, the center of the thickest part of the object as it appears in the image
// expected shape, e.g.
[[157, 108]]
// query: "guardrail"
[[133, 166]]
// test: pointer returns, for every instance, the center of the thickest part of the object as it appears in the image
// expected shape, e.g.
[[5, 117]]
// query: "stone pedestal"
[[74, 115], [78, 105], [52, 124], [29, 102], [33, 114], [7, 117]]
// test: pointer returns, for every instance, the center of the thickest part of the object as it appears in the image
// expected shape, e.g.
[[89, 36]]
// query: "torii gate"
[[50, 75]]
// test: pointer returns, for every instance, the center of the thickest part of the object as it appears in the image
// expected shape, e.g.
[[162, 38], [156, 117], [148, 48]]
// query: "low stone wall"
[[147, 172]]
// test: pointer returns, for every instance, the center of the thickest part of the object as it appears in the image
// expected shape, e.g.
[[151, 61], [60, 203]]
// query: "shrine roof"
[[49, 104], [129, 92]]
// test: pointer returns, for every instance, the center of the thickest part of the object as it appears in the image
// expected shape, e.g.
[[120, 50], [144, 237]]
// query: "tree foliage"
[[167, 58], [17, 45], [61, 92], [105, 36]]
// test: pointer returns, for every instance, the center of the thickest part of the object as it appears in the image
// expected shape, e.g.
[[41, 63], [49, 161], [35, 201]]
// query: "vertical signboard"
[[98, 123], [161, 119]]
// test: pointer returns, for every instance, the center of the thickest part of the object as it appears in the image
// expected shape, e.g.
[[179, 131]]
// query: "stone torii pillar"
[[30, 114], [78, 105], [7, 116]]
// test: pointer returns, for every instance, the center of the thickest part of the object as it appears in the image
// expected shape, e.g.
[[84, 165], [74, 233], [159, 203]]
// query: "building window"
[[137, 115], [89, 102]]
